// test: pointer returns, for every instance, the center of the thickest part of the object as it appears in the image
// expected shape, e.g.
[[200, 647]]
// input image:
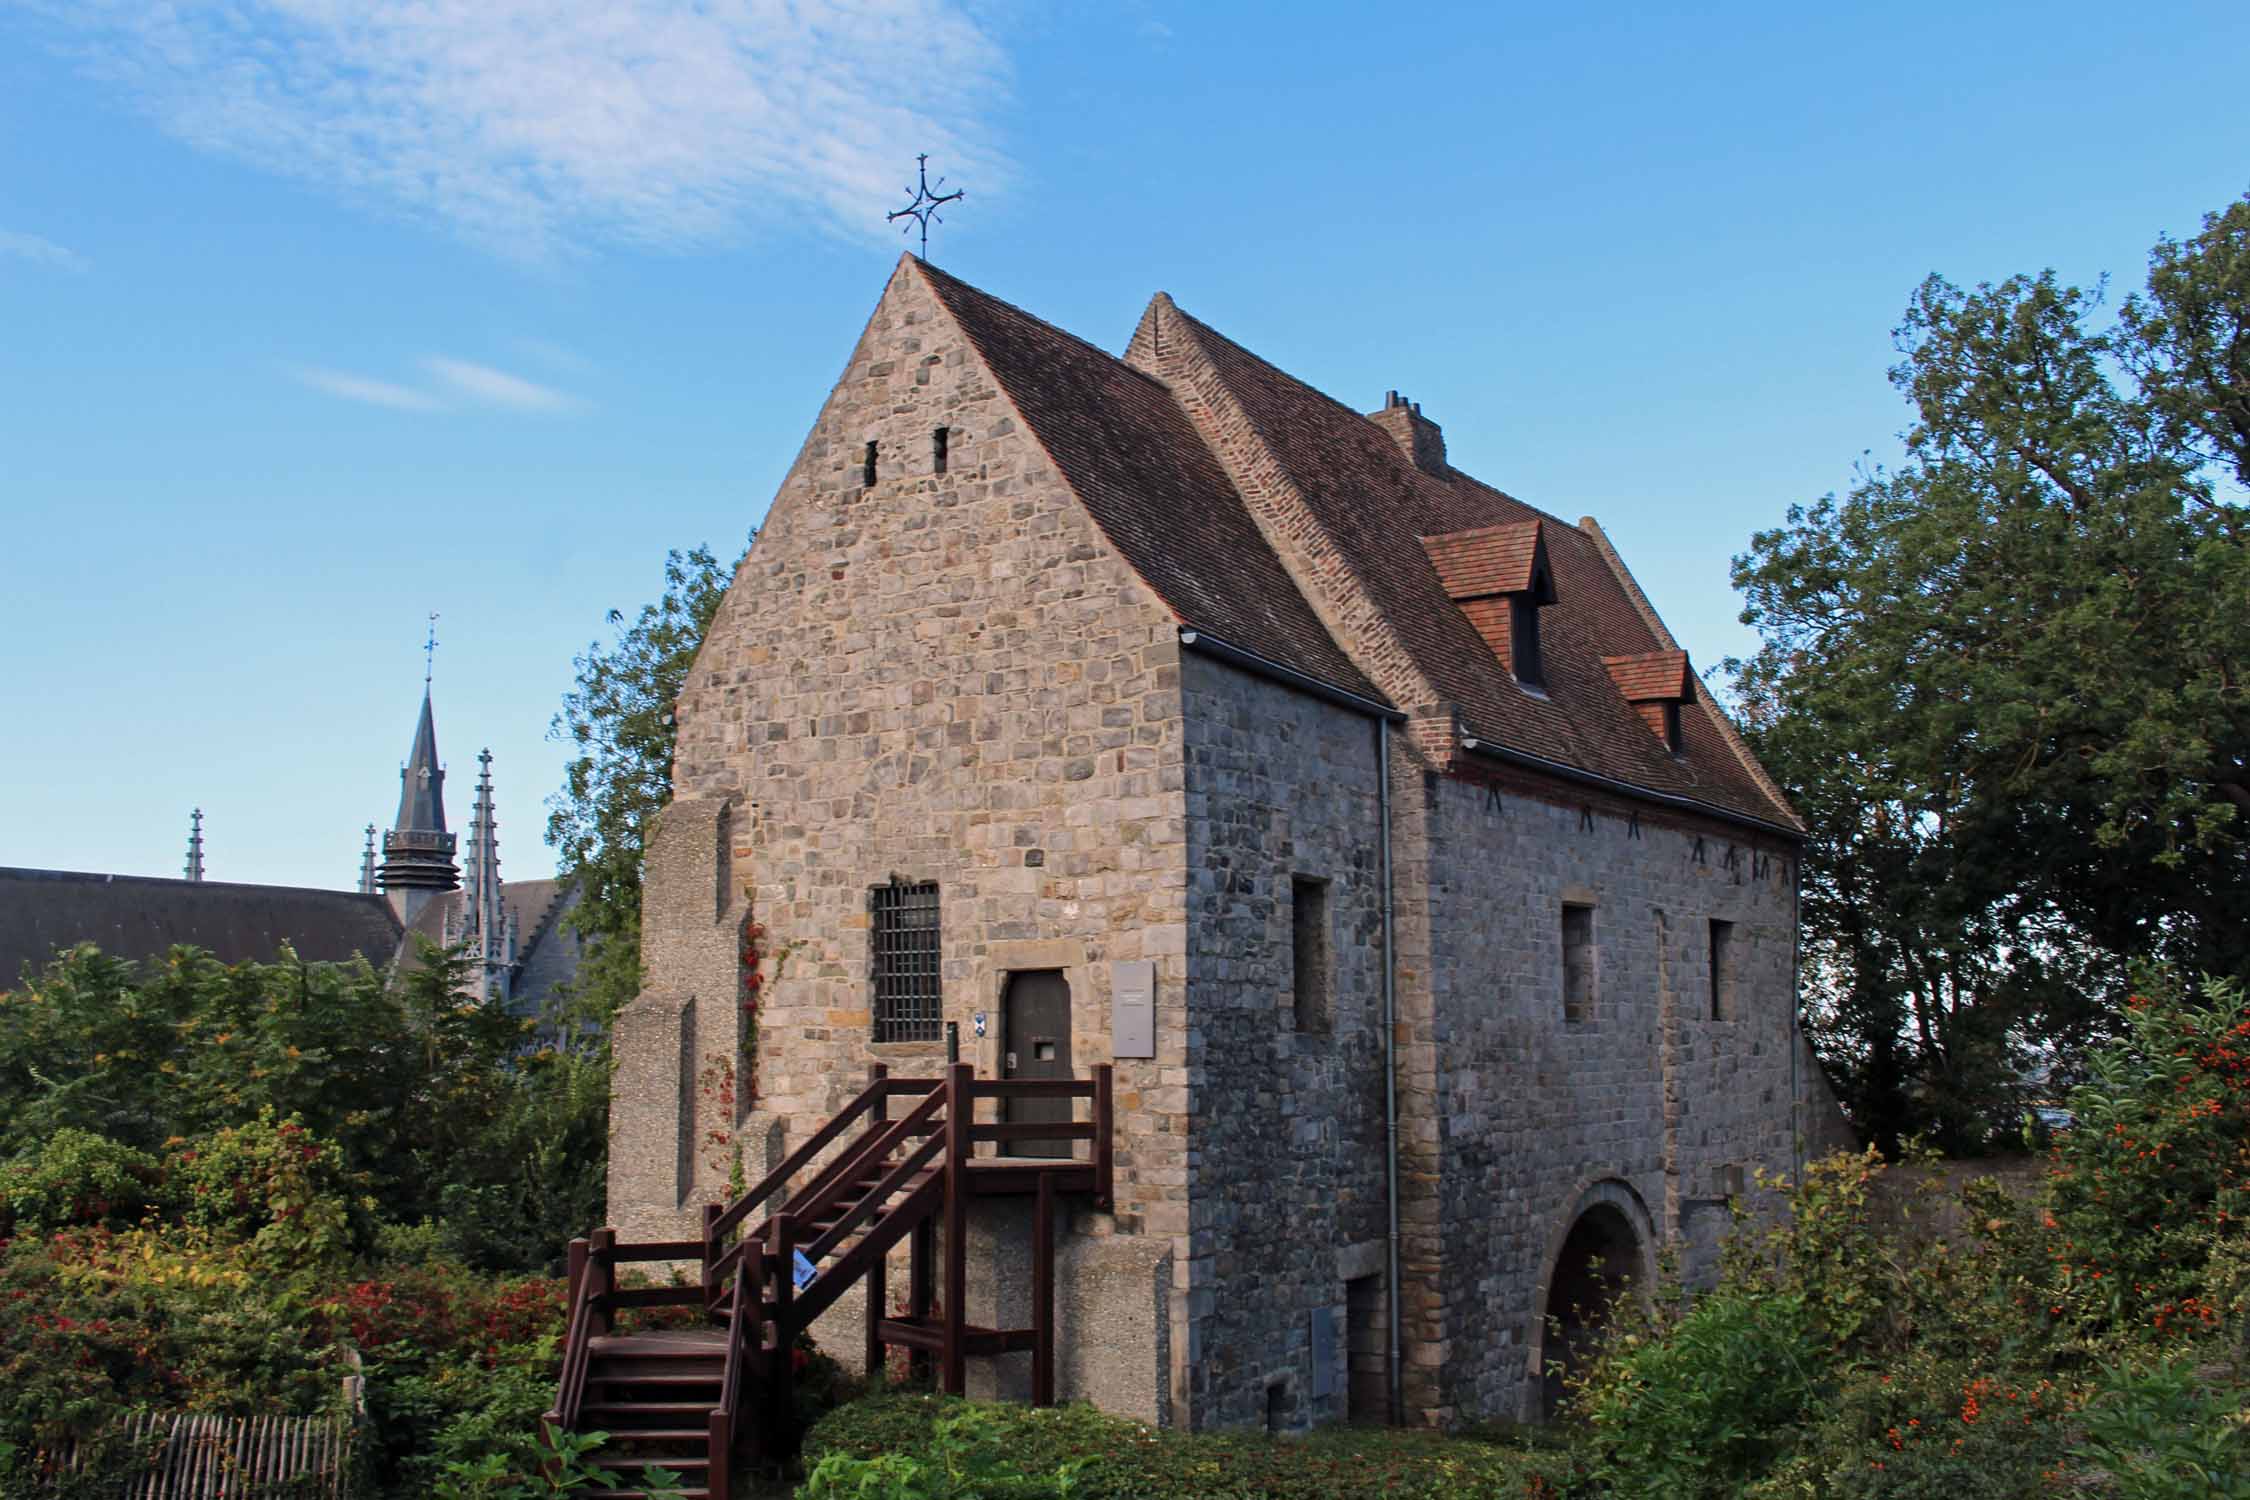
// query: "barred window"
[[908, 1004]]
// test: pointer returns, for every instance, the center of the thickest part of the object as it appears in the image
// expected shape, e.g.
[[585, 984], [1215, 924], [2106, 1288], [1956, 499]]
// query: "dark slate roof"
[[1136, 461], [135, 916], [421, 793], [1374, 505]]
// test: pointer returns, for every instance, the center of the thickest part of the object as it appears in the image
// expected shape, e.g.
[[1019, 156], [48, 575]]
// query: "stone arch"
[[1604, 1247]]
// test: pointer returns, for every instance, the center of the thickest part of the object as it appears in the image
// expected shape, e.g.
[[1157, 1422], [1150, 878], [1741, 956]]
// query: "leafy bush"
[[279, 1187], [76, 1179], [891, 1446], [2162, 1434], [438, 1103], [1710, 1402]]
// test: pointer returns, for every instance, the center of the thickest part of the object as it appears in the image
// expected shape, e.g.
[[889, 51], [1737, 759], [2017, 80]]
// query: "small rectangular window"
[[938, 441], [1308, 950], [906, 951], [1672, 727], [867, 468], [1578, 962], [1722, 970]]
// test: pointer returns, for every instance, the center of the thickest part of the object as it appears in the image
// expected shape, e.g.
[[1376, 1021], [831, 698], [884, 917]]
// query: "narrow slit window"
[[1578, 962], [909, 1002], [1722, 970], [867, 468], [1308, 949], [1672, 727], [938, 440]]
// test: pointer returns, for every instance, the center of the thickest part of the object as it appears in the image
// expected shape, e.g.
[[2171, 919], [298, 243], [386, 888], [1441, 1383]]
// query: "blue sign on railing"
[[802, 1271]]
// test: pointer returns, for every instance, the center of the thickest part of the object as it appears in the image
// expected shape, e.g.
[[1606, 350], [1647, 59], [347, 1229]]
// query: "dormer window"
[[1500, 578], [1657, 684]]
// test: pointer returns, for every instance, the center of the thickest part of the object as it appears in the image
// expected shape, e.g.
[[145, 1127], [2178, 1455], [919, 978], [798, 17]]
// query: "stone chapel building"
[[1162, 711]]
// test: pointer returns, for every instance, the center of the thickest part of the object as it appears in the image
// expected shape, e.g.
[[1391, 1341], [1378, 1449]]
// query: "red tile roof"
[[1652, 676], [1489, 560]]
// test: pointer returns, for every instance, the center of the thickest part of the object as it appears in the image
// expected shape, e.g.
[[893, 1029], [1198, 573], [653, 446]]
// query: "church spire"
[[418, 852], [487, 914], [194, 869], [367, 864]]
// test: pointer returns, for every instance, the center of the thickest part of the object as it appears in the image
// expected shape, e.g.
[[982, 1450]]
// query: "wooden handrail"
[[861, 1211], [1033, 1088], [720, 1436], [578, 1336], [794, 1163], [815, 1203]]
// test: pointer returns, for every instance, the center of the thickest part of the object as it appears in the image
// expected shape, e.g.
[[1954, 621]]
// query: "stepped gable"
[[142, 917], [1137, 463], [1375, 505]]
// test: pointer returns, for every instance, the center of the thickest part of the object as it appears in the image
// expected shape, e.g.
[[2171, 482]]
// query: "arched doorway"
[[1602, 1258]]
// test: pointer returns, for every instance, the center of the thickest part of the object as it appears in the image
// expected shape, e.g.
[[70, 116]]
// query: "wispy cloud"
[[498, 387], [365, 389], [41, 252], [541, 126]]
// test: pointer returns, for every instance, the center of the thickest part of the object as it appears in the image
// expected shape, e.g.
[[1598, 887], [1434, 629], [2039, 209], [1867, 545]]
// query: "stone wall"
[[1286, 1142], [947, 678], [1648, 1104]]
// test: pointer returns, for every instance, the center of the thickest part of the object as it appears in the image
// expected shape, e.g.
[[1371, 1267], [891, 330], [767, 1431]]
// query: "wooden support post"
[[601, 1265], [780, 1396], [921, 1288], [1105, 1136], [718, 1446], [877, 1073], [578, 1248], [711, 1212], [1043, 1295], [960, 1108], [876, 1295]]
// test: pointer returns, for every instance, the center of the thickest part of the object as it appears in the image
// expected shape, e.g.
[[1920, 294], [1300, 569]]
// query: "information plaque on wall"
[[1132, 1007]]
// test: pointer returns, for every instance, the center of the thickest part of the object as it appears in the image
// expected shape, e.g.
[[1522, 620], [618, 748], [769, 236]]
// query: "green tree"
[[619, 719], [2005, 682]]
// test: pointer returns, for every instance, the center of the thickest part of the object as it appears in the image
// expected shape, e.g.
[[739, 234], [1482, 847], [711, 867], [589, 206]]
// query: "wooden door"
[[1035, 1042]]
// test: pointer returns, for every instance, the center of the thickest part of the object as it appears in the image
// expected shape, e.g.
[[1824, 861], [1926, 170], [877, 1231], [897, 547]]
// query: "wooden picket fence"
[[231, 1458]]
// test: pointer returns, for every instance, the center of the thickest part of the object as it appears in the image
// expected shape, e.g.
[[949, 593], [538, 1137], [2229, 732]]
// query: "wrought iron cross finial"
[[925, 206], [429, 652]]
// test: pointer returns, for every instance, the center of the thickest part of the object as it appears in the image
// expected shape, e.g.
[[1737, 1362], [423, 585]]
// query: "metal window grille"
[[908, 1003]]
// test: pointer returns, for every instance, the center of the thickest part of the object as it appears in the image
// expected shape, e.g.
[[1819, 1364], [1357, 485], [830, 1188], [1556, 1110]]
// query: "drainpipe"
[[1395, 1339], [1799, 1104]]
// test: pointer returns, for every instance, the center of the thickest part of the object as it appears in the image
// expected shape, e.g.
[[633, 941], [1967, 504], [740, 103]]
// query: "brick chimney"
[[1416, 435]]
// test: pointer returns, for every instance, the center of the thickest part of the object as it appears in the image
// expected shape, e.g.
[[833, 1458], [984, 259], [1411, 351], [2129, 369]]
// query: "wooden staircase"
[[681, 1398]]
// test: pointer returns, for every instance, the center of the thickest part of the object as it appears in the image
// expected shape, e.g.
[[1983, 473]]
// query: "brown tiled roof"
[[137, 917], [1161, 475], [1652, 676], [1129, 452], [1488, 560], [1372, 506]]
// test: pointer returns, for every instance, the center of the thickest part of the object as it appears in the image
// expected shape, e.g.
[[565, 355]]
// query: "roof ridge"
[[111, 877], [945, 281], [1451, 468]]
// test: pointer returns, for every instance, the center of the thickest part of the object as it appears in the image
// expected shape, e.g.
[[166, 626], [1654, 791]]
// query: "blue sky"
[[319, 315]]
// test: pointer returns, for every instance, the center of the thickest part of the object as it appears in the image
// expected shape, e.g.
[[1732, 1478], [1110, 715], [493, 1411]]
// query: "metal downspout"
[[1393, 1370], [1800, 1105]]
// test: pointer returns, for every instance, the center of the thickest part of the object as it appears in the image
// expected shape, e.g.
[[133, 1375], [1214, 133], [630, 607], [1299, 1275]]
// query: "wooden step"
[[589, 1410], [637, 1465], [929, 1334]]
